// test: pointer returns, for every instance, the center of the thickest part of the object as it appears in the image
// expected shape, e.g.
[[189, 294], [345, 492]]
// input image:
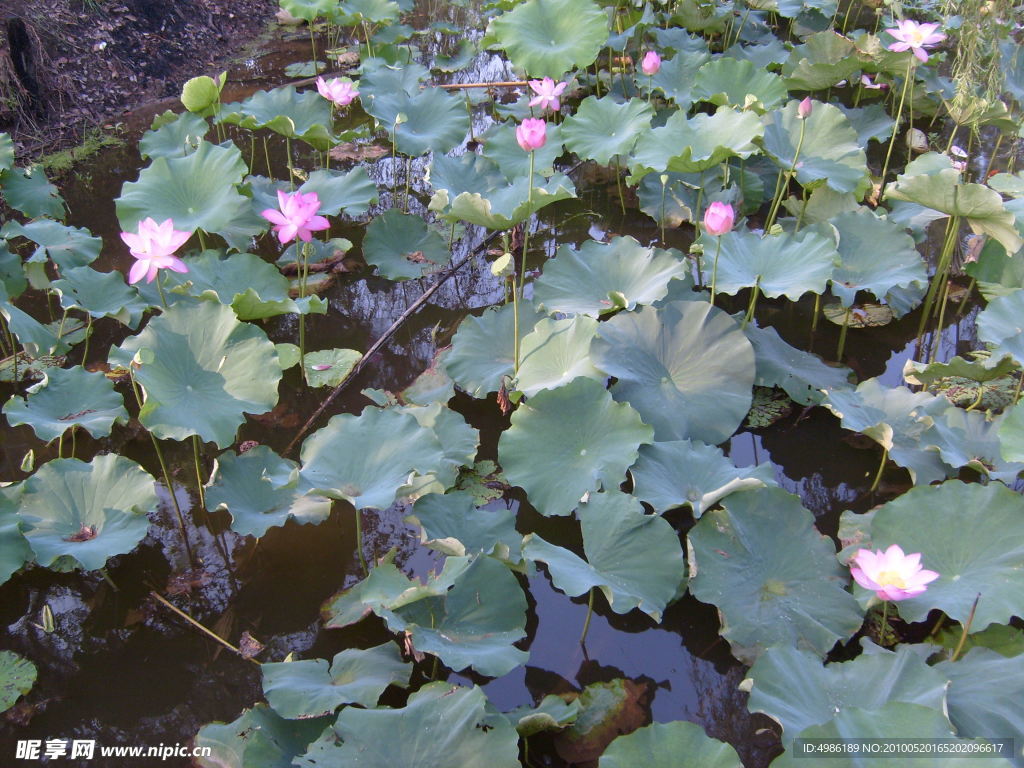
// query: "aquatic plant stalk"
[[753, 302], [966, 629], [359, 541], [842, 335], [941, 271], [208, 632], [590, 613], [881, 468], [782, 187], [518, 289], [896, 127], [714, 269]]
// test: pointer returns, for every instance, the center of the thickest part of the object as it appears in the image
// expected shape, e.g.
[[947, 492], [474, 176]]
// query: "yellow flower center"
[[891, 579]]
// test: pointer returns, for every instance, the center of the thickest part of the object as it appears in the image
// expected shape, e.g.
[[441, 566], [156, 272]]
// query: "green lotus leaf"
[[982, 552], [676, 75], [201, 371], [931, 181], [472, 189], [433, 385], [68, 397], [244, 485], [569, 441], [87, 512], [985, 692], [353, 12], [970, 439], [830, 153], [197, 191], [302, 689], [14, 549], [29, 191], [985, 383], [888, 724], [687, 368], [352, 191], [1004, 640], [796, 690], [17, 676], [330, 367], [605, 277], [773, 577], [244, 281], [302, 115], [383, 80], [365, 459], [177, 138], [552, 714], [1011, 434], [548, 38], [801, 374], [678, 744], [674, 202], [781, 265], [258, 738], [459, 443], [696, 144], [402, 247], [433, 120], [35, 338], [821, 61], [999, 325], [633, 558], [12, 274], [877, 256], [65, 245], [6, 152], [440, 726], [461, 58], [1008, 184], [670, 474], [453, 525], [602, 128], [502, 147], [384, 585], [555, 352], [897, 419], [739, 84], [101, 294], [871, 122], [483, 349]]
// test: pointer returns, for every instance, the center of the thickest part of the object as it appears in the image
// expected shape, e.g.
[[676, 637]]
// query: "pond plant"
[[749, 145]]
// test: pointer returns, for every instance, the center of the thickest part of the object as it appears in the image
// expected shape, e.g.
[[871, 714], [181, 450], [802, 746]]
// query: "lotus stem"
[[266, 156], [73, 440], [842, 335], [896, 127], [753, 302], [110, 581], [88, 335], [359, 542], [199, 473], [1016, 391], [618, 185], [661, 220], [881, 468], [301, 263], [408, 179], [160, 289], [967, 628], [967, 295], [992, 157], [817, 312], [780, 188], [209, 633], [526, 225], [515, 322], [590, 613], [885, 620], [846, 18], [714, 269], [942, 319], [60, 446], [941, 271]]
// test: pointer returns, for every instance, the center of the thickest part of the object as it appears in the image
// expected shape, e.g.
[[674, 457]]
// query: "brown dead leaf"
[[250, 646]]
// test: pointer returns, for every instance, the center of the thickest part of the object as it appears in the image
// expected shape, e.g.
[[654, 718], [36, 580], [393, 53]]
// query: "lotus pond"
[[548, 383]]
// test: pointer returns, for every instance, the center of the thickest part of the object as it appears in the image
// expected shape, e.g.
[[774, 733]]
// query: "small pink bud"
[[719, 218], [651, 63], [803, 111], [532, 133]]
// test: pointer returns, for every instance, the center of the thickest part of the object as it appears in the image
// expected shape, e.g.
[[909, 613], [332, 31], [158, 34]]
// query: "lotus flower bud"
[[651, 63], [803, 111], [531, 133], [719, 218]]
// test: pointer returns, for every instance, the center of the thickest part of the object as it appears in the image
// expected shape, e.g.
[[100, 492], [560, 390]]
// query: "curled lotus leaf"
[[296, 115], [68, 397], [985, 690], [999, 324], [803, 375], [738, 83], [453, 524], [555, 352], [14, 549]]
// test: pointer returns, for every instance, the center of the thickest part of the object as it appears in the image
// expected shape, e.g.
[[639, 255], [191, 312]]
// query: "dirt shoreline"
[[69, 65]]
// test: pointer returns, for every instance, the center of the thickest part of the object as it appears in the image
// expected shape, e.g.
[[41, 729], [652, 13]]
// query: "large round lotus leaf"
[[440, 726], [384, 81], [687, 368], [877, 256], [402, 247], [17, 676], [433, 120], [822, 60], [258, 738], [302, 689], [501, 146], [459, 443], [177, 137], [830, 153], [305, 115], [971, 439], [472, 189], [454, 525], [353, 12], [483, 349], [243, 485], [972, 536], [68, 397], [999, 324], [690, 145], [555, 352], [678, 472], [797, 691], [251, 286], [35, 338], [890, 724], [201, 371], [101, 294], [931, 181], [365, 459], [801, 374], [66, 246], [985, 692], [197, 191], [773, 577], [88, 512], [669, 745], [14, 549], [602, 128], [351, 191], [738, 83], [633, 558], [569, 441], [29, 191], [782, 265], [675, 77], [605, 277], [548, 38]]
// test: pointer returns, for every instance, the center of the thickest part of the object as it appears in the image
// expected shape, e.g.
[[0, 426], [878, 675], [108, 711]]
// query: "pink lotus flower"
[[153, 246], [547, 93], [651, 63], [297, 216], [892, 574], [916, 37], [341, 92], [804, 108], [719, 218], [532, 133], [867, 82]]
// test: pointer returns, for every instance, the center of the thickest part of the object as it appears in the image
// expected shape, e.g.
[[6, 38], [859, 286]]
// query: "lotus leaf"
[[1011, 434], [601, 129], [633, 558], [175, 138], [6, 152], [17, 676], [433, 120], [35, 338], [352, 12], [822, 60], [999, 325], [569, 441], [605, 277], [101, 294], [552, 714], [258, 738], [773, 577], [669, 745], [985, 691], [251, 286], [305, 116], [555, 352], [871, 122], [483, 350], [1004, 640], [458, 440], [330, 367], [970, 439], [29, 191], [670, 474], [65, 245], [739, 84], [690, 145], [14, 549], [548, 38], [676, 75], [12, 274], [453, 525], [352, 191], [68, 397], [402, 247], [87, 512], [801, 374], [501, 146]]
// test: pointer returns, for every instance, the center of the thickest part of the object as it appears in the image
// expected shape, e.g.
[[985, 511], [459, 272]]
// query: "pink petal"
[[899, 47], [286, 233], [134, 242], [138, 271], [921, 53], [274, 216], [318, 223], [176, 264]]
